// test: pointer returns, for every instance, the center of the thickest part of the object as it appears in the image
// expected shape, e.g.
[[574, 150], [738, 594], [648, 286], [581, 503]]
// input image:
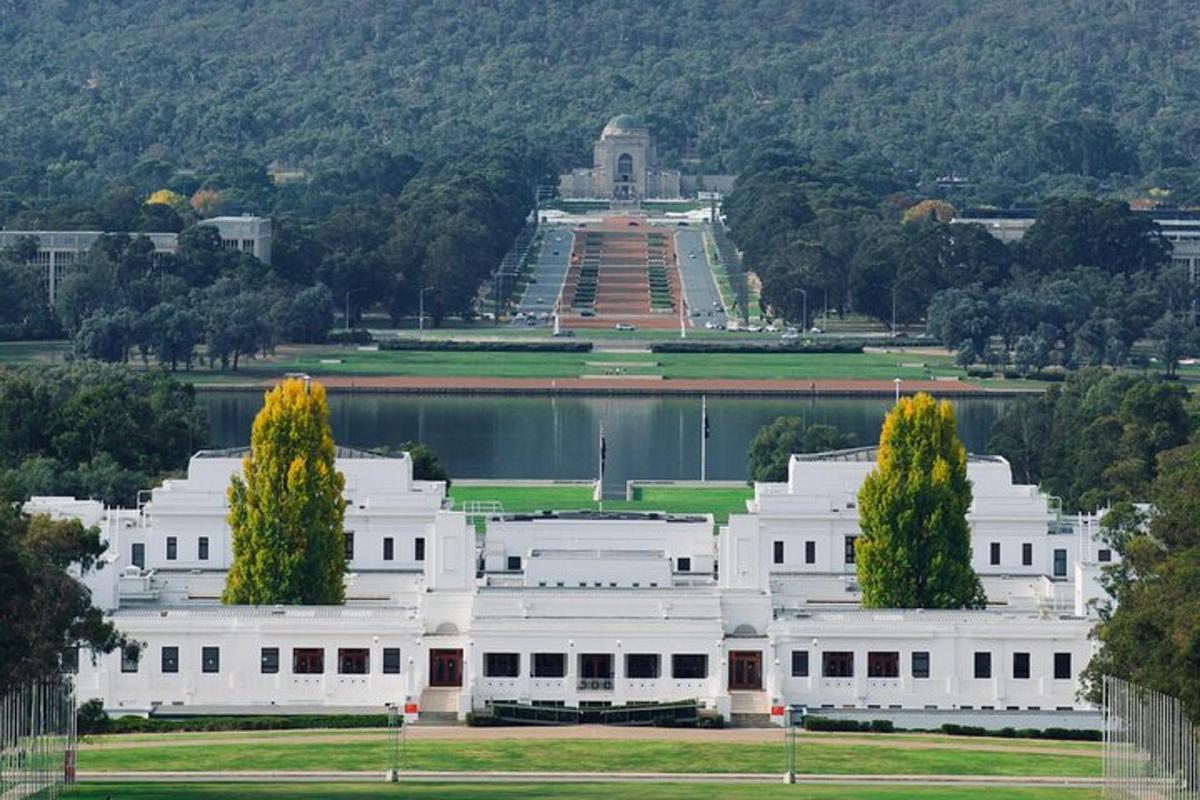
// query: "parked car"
[[563, 333], [790, 336], [625, 326], [755, 329], [587, 312], [709, 325], [815, 329]]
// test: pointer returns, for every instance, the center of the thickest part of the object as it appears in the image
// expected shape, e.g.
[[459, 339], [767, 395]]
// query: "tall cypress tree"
[[286, 511], [915, 547]]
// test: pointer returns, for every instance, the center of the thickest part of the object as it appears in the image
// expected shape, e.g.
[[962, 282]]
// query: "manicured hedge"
[[105, 724], [755, 347], [951, 729], [356, 336], [849, 725], [488, 347]]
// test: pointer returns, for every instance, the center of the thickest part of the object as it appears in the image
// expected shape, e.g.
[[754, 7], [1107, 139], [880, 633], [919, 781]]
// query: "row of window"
[[810, 551], [305, 660], [1060, 555], [684, 666], [886, 664], [138, 553]]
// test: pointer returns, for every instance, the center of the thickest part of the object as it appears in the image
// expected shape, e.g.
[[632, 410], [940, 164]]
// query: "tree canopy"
[[771, 448], [915, 547], [286, 508]]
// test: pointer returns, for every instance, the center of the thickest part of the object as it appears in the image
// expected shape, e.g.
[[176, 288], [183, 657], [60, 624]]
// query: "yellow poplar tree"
[[915, 547], [287, 510]]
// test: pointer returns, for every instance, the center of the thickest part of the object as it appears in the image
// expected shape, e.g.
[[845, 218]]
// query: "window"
[[210, 659], [138, 556], [595, 665], [1062, 666], [549, 665], [1104, 556], [308, 660], [389, 545], [799, 663], [779, 552], [354, 661], [69, 660], [642, 665], [419, 549], [202, 548], [1060, 563], [683, 564], [983, 665], [514, 563], [391, 661], [170, 659], [1021, 666], [501, 665], [837, 663], [689, 666], [1027, 554], [625, 166], [268, 660], [810, 552], [850, 549], [130, 655], [348, 543], [920, 664], [995, 554], [172, 548], [883, 664]]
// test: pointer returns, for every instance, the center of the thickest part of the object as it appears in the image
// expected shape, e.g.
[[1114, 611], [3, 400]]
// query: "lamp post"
[[421, 310], [804, 322], [348, 293], [897, 381]]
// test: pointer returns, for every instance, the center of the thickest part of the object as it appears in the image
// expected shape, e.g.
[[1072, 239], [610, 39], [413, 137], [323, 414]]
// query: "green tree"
[[426, 466], [772, 447], [286, 511], [915, 547]]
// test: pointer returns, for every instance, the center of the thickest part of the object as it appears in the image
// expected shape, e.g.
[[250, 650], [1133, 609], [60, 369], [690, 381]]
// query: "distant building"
[[625, 167], [58, 250]]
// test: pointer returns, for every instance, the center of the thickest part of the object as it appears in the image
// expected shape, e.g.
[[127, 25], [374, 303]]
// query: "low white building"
[[585, 609]]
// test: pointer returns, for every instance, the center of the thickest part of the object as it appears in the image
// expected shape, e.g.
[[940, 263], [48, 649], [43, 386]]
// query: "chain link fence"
[[1151, 748], [37, 740]]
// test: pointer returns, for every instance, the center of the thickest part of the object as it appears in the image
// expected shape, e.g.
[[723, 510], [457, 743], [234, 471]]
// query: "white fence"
[[1151, 749], [37, 740]]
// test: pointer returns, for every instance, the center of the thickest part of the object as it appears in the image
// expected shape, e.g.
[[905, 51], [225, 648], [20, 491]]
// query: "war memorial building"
[[591, 610]]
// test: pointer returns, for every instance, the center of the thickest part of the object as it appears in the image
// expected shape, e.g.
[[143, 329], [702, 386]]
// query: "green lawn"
[[719, 502], [573, 791], [590, 755]]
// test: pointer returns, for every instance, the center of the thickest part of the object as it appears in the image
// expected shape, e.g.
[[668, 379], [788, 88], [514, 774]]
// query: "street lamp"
[[421, 312], [804, 321], [348, 293], [897, 381]]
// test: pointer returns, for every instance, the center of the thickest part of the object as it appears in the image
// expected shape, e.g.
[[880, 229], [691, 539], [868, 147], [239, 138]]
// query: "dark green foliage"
[[93, 720], [93, 430], [772, 447], [426, 466]]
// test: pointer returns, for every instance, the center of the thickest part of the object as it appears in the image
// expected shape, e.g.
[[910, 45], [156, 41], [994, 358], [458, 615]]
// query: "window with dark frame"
[[849, 555], [210, 659], [983, 664], [170, 659], [131, 654], [172, 548], [348, 544], [389, 545], [883, 664], [689, 666], [1021, 666], [683, 564], [1062, 666], [642, 665], [594, 666], [68, 661], [920, 664], [268, 660], [1104, 555], [810, 552], [799, 663], [549, 665], [837, 664], [308, 660], [995, 553], [202, 548], [419, 549], [501, 665], [778, 552], [137, 555], [514, 564], [354, 661], [1060, 563], [391, 661], [1027, 554]]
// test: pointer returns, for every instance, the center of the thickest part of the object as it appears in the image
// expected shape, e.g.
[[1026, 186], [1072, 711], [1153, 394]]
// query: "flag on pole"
[[704, 413], [598, 492]]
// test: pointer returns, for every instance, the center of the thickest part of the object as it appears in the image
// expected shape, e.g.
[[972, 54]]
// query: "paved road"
[[549, 272], [699, 285]]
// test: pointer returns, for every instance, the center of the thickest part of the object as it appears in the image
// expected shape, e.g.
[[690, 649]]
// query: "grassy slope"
[[576, 791], [520, 499], [589, 755]]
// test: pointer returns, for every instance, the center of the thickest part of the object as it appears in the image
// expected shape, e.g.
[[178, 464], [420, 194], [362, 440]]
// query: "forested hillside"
[[1020, 97]]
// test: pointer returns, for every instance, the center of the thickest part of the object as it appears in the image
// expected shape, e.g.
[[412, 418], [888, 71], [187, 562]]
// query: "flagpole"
[[703, 438], [599, 495]]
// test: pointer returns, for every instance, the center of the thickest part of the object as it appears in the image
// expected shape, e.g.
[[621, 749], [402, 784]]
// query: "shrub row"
[[91, 722], [356, 336], [755, 347], [1056, 377], [849, 725], [1062, 734], [490, 347]]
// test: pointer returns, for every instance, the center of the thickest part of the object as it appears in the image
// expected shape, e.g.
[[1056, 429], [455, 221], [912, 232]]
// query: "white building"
[[585, 609], [57, 251]]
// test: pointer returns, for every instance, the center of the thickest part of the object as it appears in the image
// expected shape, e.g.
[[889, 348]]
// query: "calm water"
[[542, 437]]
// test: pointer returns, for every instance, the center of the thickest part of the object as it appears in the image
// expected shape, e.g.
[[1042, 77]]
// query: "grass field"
[[589, 755], [522, 499], [572, 791]]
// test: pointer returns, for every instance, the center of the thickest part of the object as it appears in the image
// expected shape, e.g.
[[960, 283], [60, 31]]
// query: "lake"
[[547, 437]]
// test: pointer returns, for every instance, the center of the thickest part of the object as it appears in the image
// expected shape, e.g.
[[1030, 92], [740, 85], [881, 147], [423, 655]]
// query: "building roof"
[[338, 452], [871, 455], [623, 123]]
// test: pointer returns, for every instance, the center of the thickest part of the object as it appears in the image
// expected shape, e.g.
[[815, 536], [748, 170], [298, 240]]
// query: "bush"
[[91, 717], [103, 724], [356, 336], [952, 729], [882, 726], [487, 347]]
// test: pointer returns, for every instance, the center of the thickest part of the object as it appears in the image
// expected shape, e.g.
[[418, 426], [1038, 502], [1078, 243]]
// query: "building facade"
[[584, 609], [58, 251], [625, 167]]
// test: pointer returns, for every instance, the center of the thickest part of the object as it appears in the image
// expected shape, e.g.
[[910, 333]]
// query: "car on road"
[[625, 326], [815, 329], [519, 316], [563, 334], [790, 336], [755, 329], [587, 312], [541, 301], [709, 325]]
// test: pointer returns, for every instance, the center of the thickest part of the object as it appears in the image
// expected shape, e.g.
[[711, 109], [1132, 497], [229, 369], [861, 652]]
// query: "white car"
[[771, 328], [625, 326], [709, 325], [815, 329], [755, 329], [790, 336]]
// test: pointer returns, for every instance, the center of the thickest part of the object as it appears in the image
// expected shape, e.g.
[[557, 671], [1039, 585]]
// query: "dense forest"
[[1016, 98]]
